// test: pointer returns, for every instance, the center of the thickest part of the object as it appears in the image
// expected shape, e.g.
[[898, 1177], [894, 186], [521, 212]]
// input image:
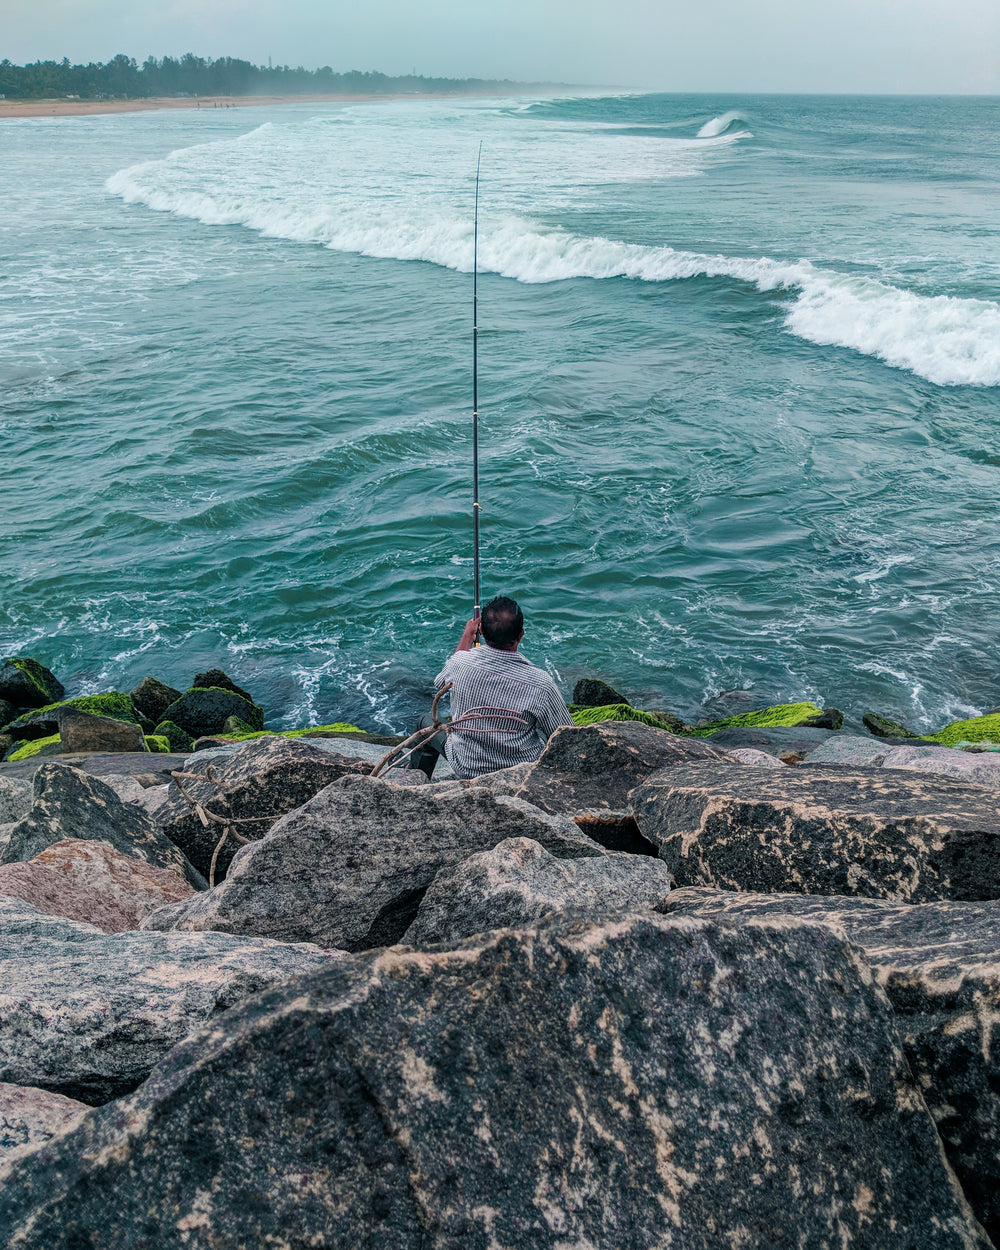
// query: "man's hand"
[[469, 635]]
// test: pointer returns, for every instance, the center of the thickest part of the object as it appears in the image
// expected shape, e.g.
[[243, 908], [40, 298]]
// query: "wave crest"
[[727, 123]]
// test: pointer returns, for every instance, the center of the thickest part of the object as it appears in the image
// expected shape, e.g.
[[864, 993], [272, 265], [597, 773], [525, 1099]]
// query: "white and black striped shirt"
[[486, 677]]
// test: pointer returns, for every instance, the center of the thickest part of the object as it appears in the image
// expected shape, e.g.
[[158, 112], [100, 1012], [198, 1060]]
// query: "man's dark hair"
[[503, 622]]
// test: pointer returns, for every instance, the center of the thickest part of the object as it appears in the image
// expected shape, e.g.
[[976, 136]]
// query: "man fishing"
[[497, 678]]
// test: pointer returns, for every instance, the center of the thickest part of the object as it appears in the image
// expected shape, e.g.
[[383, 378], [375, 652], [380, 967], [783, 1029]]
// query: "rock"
[[88, 1014], [877, 834], [7, 712], [31, 1116], [349, 868], [759, 759], [850, 750], [44, 721], [26, 683], [592, 692], [775, 739], [36, 885], [82, 731], [829, 718], [130, 789], [591, 769], [234, 725], [69, 804], [15, 799], [939, 965], [216, 679], [981, 770], [882, 727], [178, 739], [262, 781], [125, 888], [729, 703], [7, 742], [199, 712], [519, 882], [152, 698], [636, 1083], [674, 723]]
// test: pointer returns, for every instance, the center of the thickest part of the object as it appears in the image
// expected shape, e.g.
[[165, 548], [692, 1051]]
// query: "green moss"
[[177, 739], [158, 742], [34, 672], [31, 748], [979, 729], [614, 711], [114, 704], [781, 715], [340, 727]]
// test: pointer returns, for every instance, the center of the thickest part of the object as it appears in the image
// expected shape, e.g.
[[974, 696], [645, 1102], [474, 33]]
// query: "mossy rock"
[[151, 698], [26, 683], [883, 727], [158, 743], [592, 692], [215, 678], [236, 725], [44, 720], [37, 746], [785, 715], [614, 711], [202, 711], [979, 729], [340, 727], [175, 737]]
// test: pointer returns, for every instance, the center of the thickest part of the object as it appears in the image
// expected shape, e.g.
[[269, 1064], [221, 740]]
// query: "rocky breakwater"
[[473, 1014]]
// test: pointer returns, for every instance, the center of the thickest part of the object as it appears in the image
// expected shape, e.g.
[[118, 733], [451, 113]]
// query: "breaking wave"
[[724, 125]]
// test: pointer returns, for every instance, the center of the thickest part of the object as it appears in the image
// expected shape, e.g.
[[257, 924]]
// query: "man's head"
[[503, 623]]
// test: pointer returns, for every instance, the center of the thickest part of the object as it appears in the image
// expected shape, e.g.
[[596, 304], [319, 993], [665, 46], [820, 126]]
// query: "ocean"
[[739, 372]]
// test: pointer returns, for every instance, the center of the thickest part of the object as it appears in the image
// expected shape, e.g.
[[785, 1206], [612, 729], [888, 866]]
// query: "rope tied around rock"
[[461, 724], [206, 817]]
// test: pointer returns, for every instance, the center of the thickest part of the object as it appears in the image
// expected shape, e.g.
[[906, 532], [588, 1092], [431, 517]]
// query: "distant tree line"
[[124, 78]]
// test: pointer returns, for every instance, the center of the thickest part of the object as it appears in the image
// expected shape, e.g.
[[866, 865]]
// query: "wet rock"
[[7, 743], [152, 698], [199, 712], [31, 1116], [88, 1014], [69, 804], [642, 1082], [15, 799], [7, 712], [44, 721], [92, 882], [877, 834], [26, 683], [349, 868], [829, 718], [939, 965], [519, 882], [733, 703], [81, 731], [592, 692], [261, 781], [882, 727], [675, 724], [216, 679], [591, 769]]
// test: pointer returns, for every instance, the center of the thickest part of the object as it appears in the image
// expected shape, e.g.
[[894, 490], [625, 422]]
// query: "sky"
[[902, 46]]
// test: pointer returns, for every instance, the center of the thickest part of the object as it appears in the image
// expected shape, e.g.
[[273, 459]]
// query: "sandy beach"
[[82, 108]]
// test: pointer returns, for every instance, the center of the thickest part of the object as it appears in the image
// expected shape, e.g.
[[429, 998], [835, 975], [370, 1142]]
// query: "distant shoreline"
[[89, 108]]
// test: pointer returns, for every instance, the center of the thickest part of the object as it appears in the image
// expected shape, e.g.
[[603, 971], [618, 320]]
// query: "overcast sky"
[[669, 45]]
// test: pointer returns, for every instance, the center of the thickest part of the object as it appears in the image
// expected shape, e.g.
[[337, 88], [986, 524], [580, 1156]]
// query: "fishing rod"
[[475, 396]]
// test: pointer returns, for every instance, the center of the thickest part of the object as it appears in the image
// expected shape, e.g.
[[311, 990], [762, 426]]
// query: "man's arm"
[[469, 634], [552, 714]]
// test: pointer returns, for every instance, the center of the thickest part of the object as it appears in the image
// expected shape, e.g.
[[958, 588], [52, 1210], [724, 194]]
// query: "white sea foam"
[[317, 183], [722, 125]]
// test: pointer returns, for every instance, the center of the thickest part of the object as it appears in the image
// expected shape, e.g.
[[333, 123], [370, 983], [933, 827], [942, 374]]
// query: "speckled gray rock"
[[265, 778], [775, 739], [15, 799], [753, 757], [980, 768], [349, 868], [69, 804], [30, 1116], [518, 882], [88, 1014], [82, 731], [592, 768], [646, 1082], [879, 834], [939, 963], [850, 750]]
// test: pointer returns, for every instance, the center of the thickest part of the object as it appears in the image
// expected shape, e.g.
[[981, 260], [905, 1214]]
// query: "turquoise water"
[[740, 372]]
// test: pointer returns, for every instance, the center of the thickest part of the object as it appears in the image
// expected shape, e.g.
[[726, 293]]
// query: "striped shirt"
[[486, 677]]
